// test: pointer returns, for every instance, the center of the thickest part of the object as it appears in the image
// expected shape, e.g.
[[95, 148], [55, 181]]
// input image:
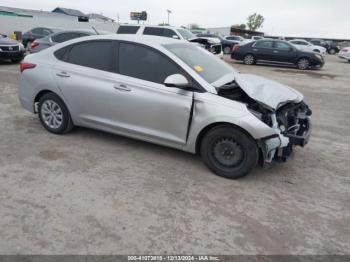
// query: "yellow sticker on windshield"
[[198, 68]]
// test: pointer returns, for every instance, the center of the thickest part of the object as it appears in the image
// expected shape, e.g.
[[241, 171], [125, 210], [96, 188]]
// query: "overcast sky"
[[315, 18]]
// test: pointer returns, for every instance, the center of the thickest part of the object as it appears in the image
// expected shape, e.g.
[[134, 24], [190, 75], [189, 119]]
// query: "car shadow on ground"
[[259, 172]]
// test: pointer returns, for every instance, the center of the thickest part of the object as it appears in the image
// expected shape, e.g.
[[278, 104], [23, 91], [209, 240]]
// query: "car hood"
[[269, 93], [7, 41]]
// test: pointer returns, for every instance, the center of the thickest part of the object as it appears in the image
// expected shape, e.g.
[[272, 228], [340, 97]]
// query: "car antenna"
[[97, 33]]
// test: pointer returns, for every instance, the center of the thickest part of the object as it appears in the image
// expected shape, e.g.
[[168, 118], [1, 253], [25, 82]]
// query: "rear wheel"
[[303, 63], [332, 51], [229, 152], [249, 59], [54, 115], [227, 50]]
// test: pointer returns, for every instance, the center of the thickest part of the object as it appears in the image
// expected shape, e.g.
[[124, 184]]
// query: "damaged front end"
[[214, 48], [280, 107], [293, 127]]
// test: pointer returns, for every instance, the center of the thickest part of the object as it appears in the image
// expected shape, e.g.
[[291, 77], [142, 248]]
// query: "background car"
[[59, 37], [307, 46], [344, 53], [211, 37], [172, 32], [331, 47], [36, 33], [276, 51], [11, 49], [228, 42]]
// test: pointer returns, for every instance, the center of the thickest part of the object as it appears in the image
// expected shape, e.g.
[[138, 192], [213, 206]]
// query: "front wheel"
[[303, 63], [54, 115], [229, 152]]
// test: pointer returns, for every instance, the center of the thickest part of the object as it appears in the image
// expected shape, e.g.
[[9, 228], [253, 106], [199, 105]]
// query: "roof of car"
[[146, 39], [158, 26]]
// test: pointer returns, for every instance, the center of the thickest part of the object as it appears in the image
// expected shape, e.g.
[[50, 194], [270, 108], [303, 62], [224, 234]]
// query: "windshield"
[[207, 65], [186, 34]]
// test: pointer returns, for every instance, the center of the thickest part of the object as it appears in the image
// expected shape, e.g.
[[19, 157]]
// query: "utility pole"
[[169, 12]]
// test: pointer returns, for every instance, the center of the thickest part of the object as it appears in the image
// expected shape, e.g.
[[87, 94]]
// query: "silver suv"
[[167, 92]]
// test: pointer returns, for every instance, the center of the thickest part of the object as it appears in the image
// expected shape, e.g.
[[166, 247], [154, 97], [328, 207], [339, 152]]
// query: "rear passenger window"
[[123, 29], [93, 54], [264, 44], [60, 38], [169, 33], [144, 63], [153, 31], [282, 45]]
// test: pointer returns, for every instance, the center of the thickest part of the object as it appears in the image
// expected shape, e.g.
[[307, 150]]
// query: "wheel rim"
[[332, 51], [249, 59], [51, 114], [227, 50], [228, 152], [303, 64]]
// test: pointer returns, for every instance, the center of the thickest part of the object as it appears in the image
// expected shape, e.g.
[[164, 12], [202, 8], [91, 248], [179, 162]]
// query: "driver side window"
[[145, 63]]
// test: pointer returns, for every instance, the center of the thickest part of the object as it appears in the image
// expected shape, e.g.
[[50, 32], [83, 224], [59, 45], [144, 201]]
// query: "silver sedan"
[[168, 92]]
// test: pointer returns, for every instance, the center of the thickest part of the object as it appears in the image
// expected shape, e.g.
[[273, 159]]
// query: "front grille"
[[8, 48]]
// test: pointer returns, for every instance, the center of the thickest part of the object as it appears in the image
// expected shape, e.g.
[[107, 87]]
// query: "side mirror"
[[176, 80], [176, 37]]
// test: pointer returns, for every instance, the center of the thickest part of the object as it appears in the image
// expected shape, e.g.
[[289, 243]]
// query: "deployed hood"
[[7, 41], [269, 93]]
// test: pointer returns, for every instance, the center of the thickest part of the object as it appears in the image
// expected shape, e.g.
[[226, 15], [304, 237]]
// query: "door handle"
[[255, 49], [122, 88], [63, 74], [275, 51]]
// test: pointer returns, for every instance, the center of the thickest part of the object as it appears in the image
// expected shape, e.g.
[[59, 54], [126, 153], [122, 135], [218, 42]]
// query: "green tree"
[[255, 21]]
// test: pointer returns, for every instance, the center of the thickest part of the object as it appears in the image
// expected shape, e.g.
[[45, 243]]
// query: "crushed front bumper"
[[280, 146]]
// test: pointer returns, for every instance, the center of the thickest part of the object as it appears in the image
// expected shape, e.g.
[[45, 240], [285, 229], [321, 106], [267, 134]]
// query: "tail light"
[[236, 47], [33, 45], [25, 66], [345, 50]]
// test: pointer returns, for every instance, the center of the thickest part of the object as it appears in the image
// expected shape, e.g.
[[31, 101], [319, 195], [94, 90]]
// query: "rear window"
[[153, 31], [124, 29], [93, 54], [62, 37], [264, 44]]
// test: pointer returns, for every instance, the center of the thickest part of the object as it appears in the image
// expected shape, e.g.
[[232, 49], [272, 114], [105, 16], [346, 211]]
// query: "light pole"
[[169, 12]]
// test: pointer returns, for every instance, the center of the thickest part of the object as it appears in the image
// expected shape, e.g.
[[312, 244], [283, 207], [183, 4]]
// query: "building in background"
[[22, 20], [222, 31]]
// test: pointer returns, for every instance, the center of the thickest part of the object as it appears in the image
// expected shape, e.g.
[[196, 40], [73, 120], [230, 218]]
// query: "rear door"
[[84, 76], [284, 52], [263, 50]]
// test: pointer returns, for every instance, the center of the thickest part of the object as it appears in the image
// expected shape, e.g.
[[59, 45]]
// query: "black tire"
[[332, 51], [249, 59], [229, 152], [303, 63], [227, 50], [66, 123]]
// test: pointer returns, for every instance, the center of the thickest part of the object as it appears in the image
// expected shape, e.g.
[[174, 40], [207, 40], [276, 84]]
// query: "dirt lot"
[[89, 192]]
